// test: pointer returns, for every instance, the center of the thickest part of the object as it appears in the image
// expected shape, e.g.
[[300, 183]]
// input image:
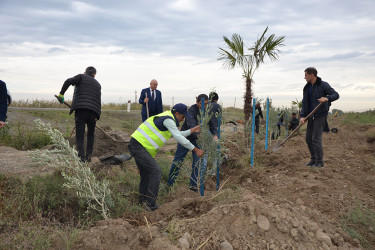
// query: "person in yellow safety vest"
[[146, 141]]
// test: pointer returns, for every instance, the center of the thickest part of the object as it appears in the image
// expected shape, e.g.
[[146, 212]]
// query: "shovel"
[[115, 159], [148, 114], [67, 104], [280, 143]]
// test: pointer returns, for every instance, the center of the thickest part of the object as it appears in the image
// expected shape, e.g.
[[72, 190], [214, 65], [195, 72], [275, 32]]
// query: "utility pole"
[[135, 100]]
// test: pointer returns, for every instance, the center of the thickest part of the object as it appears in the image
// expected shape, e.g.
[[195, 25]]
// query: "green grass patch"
[[40, 196], [359, 223], [364, 118], [21, 137], [227, 195]]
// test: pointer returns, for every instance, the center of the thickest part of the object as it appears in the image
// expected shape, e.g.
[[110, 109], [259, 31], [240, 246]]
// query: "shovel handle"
[[315, 109], [148, 114], [58, 98], [307, 117]]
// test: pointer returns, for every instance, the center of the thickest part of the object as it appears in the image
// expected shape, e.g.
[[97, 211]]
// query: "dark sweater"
[[214, 110]]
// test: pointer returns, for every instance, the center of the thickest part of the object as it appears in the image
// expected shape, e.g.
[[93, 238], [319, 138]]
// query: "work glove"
[[61, 98]]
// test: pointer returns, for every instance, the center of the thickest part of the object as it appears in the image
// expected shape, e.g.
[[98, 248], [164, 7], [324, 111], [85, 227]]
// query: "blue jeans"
[[179, 157]]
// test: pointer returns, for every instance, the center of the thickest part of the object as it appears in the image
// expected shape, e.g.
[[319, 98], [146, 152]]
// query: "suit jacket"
[[154, 106]]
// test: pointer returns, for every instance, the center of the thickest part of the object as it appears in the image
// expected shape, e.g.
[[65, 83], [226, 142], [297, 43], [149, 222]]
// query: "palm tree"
[[249, 59]]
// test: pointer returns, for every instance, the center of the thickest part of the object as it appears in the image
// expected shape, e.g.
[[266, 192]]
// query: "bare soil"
[[277, 204]]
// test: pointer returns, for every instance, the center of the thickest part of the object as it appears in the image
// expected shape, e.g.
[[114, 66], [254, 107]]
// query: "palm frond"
[[230, 60]]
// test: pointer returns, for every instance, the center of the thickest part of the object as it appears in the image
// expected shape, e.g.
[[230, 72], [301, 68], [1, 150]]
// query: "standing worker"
[[151, 101], [294, 122], [3, 103], [145, 142], [214, 110], [316, 91], [258, 113], [87, 107]]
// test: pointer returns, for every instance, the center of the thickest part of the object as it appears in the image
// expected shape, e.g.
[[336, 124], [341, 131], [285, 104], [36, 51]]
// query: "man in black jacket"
[[87, 107], [316, 91], [191, 121], [294, 122], [258, 113], [3, 103], [214, 110]]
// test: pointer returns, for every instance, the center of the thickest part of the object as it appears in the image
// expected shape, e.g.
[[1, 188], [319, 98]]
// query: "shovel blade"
[[277, 146], [115, 159]]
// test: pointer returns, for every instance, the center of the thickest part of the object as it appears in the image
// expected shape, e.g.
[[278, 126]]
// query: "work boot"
[[319, 165], [310, 163], [149, 207], [88, 158]]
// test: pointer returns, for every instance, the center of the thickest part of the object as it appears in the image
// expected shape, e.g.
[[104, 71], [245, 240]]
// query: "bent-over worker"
[[145, 142]]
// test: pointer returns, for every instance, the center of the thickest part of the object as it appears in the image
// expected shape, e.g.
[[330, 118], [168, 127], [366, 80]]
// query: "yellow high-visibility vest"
[[150, 137]]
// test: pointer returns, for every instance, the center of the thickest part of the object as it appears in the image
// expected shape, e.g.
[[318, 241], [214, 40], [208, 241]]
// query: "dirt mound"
[[107, 142], [193, 221], [119, 234]]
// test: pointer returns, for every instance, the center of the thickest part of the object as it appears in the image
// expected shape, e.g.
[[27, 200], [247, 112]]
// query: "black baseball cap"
[[180, 108]]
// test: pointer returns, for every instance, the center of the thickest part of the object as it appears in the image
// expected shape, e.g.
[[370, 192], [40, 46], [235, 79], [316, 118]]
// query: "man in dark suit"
[[151, 97]]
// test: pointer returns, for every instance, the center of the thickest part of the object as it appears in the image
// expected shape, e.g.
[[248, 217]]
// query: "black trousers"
[[150, 173], [257, 125], [314, 133], [83, 117]]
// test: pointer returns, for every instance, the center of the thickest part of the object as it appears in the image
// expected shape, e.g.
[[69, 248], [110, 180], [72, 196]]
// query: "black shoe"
[[319, 165], [151, 207], [88, 158], [310, 163], [195, 189]]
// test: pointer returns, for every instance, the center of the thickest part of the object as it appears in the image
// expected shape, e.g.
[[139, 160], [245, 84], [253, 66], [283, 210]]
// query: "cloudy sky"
[[44, 42]]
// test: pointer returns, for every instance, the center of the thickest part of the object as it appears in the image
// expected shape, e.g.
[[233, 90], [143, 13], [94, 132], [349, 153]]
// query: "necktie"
[[152, 95]]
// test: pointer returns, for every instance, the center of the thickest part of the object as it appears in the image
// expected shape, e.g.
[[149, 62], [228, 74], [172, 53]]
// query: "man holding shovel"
[[151, 101], [87, 106], [146, 141], [315, 92]]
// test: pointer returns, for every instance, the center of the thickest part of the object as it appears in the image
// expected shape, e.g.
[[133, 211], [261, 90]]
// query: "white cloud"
[[183, 5], [81, 8]]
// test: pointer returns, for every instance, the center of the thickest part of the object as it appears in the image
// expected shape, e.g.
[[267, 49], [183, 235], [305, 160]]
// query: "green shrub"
[[21, 137], [78, 176], [40, 196]]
